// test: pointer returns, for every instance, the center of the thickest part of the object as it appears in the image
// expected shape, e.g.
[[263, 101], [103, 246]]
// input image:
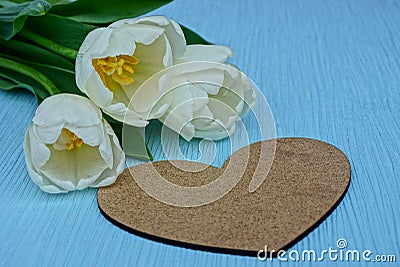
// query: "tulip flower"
[[203, 99], [113, 62], [69, 146]]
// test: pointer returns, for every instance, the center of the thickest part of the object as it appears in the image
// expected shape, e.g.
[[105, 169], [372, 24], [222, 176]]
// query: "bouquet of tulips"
[[85, 61]]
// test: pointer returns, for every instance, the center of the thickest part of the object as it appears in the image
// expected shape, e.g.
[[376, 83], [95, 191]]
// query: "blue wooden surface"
[[330, 70]]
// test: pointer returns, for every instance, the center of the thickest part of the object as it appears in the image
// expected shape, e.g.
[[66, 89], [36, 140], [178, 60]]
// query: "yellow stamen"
[[69, 145], [69, 139], [128, 68], [122, 79], [118, 68], [78, 143]]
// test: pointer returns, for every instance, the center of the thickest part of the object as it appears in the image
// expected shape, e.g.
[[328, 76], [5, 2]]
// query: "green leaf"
[[15, 66], [63, 79], [48, 44], [10, 80], [193, 38], [56, 68], [63, 31], [52, 2], [131, 139], [106, 11], [134, 144], [35, 54], [13, 15], [60, 2], [8, 83]]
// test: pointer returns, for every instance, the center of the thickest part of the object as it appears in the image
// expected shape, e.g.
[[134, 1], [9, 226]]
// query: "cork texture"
[[307, 180]]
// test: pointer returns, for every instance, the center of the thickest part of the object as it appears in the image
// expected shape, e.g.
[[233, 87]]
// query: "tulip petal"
[[76, 106], [145, 34], [217, 134], [207, 80], [96, 42], [94, 46], [213, 53], [207, 75], [116, 111], [109, 175], [145, 97], [226, 95], [39, 152], [120, 113], [66, 168], [173, 32], [52, 189], [168, 57], [134, 119], [183, 101], [48, 135], [220, 126], [238, 92], [48, 128], [97, 92], [92, 135], [82, 155], [83, 70], [121, 42], [152, 59], [202, 118], [105, 147], [37, 178], [154, 41]]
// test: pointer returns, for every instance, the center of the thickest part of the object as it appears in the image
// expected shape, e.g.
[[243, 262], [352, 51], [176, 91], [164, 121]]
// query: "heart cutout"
[[307, 180]]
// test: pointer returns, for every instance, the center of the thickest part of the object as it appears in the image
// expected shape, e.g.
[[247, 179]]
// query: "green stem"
[[31, 73], [49, 44]]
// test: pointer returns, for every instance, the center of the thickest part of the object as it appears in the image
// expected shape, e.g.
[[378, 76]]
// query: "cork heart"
[[307, 180]]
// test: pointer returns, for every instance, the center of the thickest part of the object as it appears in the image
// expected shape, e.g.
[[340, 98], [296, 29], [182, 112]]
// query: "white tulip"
[[113, 62], [69, 146], [204, 99]]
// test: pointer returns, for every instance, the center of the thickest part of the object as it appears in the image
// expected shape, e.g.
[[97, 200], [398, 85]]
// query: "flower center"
[[118, 68], [67, 140]]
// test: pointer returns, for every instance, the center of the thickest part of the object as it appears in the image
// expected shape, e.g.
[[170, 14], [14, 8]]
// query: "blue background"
[[329, 69]]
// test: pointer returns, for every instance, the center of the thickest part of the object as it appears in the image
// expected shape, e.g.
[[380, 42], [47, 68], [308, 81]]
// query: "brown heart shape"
[[306, 182]]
